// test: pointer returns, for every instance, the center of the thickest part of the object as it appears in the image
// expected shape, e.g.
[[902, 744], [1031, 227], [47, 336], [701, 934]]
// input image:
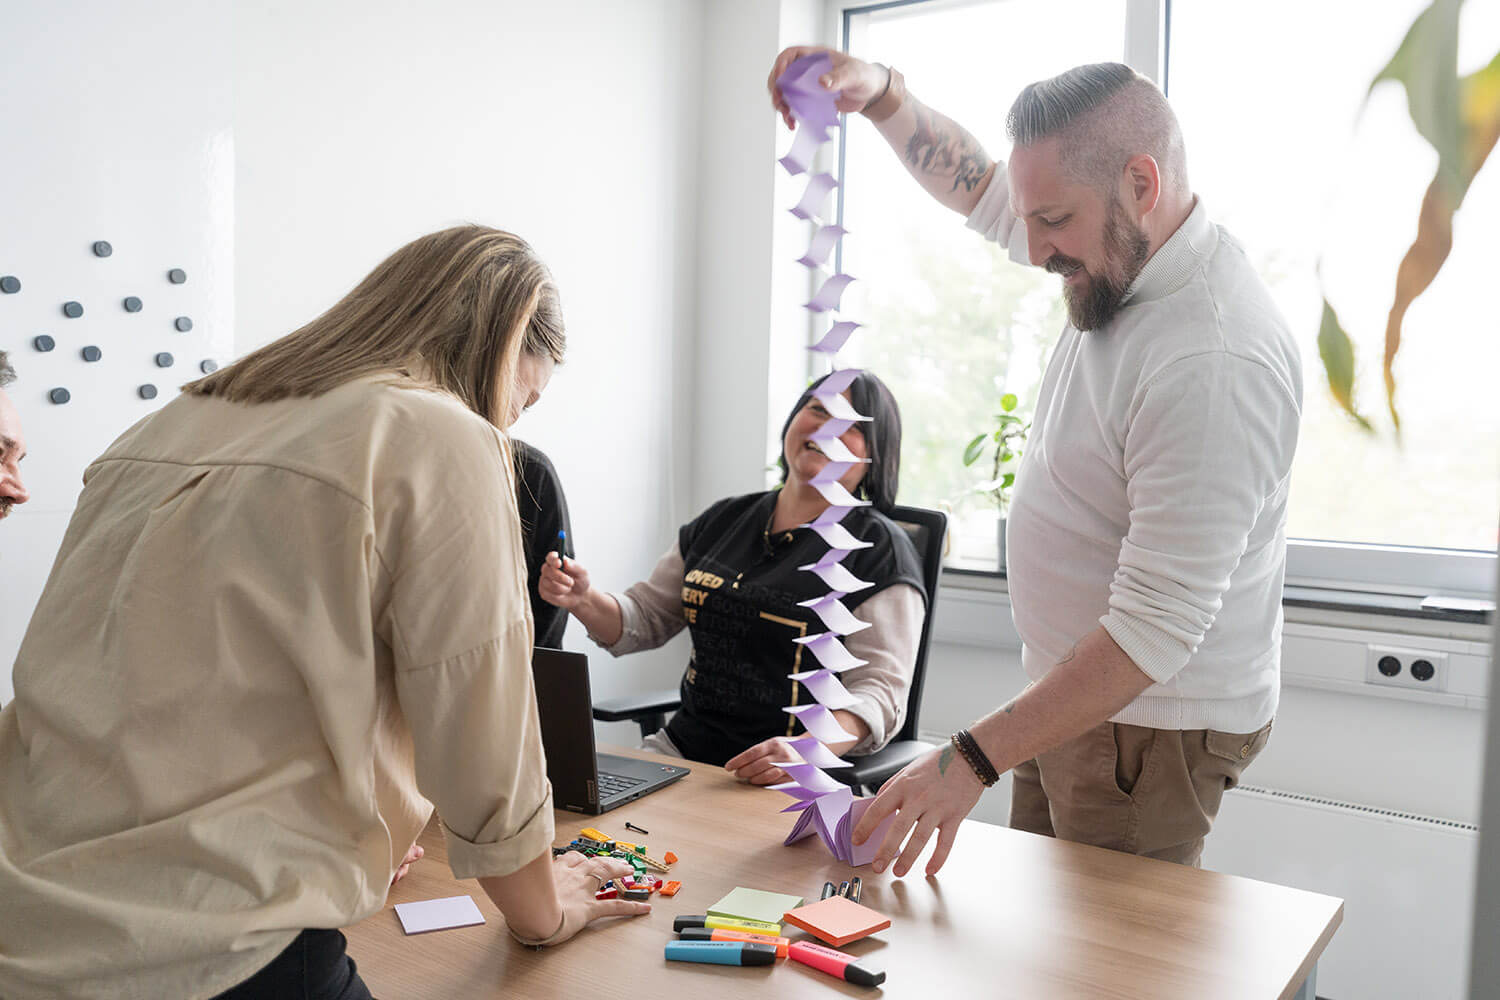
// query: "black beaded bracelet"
[[964, 741]]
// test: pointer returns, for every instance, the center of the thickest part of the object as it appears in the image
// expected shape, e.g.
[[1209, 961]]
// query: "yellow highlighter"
[[743, 924], [725, 924]]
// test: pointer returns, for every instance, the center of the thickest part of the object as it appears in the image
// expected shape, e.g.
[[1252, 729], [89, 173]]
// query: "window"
[[1280, 153], [953, 325], [1284, 158]]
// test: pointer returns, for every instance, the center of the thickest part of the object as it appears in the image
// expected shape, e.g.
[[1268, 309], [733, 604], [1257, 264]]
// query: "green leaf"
[[1009, 402], [1337, 352], [1008, 481], [1426, 64], [974, 449]]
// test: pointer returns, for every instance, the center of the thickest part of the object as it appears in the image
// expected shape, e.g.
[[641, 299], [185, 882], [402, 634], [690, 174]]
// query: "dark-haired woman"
[[733, 580]]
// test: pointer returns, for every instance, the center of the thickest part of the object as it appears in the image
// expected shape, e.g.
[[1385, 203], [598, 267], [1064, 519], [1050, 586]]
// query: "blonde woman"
[[285, 622]]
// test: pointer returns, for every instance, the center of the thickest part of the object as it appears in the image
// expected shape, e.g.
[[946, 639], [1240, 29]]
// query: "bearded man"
[[1146, 542]]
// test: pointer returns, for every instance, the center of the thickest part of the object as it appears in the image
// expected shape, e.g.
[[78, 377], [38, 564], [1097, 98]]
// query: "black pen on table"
[[828, 890]]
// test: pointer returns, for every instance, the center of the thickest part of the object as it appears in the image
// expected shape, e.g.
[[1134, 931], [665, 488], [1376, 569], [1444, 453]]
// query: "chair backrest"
[[926, 528]]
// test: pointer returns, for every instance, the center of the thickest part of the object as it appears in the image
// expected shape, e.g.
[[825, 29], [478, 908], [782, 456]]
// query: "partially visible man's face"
[[1075, 231], [12, 450]]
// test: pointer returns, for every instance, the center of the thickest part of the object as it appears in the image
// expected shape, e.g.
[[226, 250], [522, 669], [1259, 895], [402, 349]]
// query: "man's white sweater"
[[1152, 495]]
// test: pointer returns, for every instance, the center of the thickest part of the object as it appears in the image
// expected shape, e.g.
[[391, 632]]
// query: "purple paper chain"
[[827, 807]]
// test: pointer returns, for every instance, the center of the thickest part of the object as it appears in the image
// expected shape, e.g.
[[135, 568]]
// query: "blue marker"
[[721, 952], [562, 545]]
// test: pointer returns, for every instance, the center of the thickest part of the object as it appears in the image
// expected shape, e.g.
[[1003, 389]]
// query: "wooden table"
[[1010, 915]]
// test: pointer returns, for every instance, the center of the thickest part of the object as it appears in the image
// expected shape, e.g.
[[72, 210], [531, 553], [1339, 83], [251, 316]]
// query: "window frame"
[[1351, 566]]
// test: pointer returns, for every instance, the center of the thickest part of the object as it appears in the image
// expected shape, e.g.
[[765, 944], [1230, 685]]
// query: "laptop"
[[582, 780]]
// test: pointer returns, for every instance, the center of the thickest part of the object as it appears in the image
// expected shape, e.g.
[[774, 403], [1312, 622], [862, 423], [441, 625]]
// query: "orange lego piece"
[[670, 858], [670, 889]]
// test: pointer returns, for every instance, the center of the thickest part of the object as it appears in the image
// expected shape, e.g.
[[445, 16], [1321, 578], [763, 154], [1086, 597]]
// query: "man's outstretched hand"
[[932, 793], [858, 81]]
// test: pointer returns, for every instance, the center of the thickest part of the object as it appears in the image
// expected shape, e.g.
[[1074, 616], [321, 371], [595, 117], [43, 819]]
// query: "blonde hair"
[[457, 305]]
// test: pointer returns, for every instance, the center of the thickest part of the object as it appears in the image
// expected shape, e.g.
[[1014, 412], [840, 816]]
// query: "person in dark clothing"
[[544, 528], [733, 578], [539, 493]]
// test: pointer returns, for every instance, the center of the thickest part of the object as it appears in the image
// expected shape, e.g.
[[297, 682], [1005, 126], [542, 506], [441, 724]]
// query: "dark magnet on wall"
[[132, 304], [91, 353], [177, 276], [164, 360], [10, 284], [208, 366], [59, 395], [102, 248], [147, 391], [43, 343], [72, 310], [183, 324]]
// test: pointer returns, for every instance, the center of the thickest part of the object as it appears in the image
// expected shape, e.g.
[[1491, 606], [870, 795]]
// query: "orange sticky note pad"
[[837, 920]]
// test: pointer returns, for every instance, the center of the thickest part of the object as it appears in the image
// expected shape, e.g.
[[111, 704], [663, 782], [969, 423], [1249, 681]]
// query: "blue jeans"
[[313, 967]]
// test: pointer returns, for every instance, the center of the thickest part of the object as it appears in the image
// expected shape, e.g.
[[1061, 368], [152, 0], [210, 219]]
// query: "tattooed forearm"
[[941, 148], [944, 759]]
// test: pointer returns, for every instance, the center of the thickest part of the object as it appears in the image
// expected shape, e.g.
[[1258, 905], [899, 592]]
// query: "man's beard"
[[1095, 302], [5, 506]]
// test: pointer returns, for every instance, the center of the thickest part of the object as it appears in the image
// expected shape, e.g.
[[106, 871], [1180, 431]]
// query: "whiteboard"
[[117, 121]]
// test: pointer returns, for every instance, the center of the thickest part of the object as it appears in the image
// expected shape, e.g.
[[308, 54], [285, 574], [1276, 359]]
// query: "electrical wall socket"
[[1420, 669]]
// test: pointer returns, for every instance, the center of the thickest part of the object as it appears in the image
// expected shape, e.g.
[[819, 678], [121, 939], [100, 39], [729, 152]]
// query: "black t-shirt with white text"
[[740, 594]]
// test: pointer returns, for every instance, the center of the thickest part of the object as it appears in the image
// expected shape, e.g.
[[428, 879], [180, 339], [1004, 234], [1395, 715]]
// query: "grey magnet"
[[177, 276], [208, 366], [59, 395], [183, 323], [43, 343], [72, 310], [132, 304], [102, 248], [10, 284], [164, 360], [147, 391], [91, 353]]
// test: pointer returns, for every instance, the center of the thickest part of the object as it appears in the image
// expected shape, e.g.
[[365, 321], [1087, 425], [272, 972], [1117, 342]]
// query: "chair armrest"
[[882, 765], [630, 707]]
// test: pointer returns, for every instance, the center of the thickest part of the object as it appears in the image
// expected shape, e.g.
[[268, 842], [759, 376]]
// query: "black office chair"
[[926, 528]]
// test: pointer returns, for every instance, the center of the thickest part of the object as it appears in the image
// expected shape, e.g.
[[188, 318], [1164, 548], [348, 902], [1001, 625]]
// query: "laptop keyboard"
[[614, 784]]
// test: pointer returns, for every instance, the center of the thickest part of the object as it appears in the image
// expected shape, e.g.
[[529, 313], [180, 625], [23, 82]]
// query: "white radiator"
[[1407, 883]]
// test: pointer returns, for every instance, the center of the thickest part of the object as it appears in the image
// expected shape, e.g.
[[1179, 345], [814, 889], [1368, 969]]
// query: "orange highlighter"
[[717, 934]]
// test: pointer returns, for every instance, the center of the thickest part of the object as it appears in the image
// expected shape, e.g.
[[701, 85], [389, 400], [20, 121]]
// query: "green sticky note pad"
[[755, 904]]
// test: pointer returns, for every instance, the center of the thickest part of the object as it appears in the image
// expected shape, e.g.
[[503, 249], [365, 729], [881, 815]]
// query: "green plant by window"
[[1003, 444]]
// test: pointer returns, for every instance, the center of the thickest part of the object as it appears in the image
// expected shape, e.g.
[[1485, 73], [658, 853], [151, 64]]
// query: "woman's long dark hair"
[[882, 437]]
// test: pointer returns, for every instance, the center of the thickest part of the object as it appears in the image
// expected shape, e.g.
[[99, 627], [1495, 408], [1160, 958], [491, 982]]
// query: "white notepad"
[[438, 914]]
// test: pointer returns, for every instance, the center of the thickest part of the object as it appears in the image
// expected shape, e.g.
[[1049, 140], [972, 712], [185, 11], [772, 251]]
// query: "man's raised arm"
[[944, 158]]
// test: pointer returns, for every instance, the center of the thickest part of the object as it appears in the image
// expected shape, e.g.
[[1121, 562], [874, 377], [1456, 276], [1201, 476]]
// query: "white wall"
[[116, 125], [360, 125]]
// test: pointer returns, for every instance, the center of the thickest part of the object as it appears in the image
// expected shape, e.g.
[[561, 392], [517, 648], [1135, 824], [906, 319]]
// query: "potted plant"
[[1003, 442]]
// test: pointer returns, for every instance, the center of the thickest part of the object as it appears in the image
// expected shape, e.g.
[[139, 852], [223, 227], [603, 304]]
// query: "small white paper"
[[438, 914]]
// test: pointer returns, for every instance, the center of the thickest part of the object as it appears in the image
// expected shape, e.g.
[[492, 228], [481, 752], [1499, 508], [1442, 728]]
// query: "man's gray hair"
[[1103, 114], [7, 373]]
